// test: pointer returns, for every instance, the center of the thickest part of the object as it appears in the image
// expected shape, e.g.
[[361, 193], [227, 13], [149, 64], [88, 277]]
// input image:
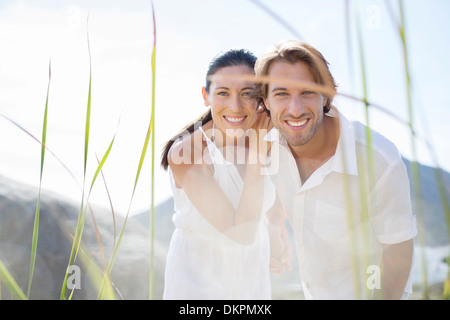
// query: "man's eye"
[[222, 93], [281, 94], [308, 92]]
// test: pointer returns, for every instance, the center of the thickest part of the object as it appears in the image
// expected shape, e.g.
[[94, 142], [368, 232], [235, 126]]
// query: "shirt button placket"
[[299, 215]]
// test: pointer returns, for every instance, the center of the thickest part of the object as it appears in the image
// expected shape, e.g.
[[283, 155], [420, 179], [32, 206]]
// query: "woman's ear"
[[266, 104], [326, 100], [205, 97]]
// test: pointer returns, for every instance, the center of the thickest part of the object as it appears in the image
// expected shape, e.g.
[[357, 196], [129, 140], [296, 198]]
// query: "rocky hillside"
[[58, 219]]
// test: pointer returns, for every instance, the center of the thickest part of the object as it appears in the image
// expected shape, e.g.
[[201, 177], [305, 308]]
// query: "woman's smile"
[[235, 120]]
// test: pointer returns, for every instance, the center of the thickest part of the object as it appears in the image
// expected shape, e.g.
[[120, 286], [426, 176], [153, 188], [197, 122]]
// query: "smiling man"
[[344, 188]]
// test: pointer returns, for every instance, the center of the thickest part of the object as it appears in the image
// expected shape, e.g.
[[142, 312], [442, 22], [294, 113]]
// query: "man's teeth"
[[235, 119], [297, 123]]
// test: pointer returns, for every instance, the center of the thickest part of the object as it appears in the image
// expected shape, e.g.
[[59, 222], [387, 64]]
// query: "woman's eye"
[[308, 92], [246, 94]]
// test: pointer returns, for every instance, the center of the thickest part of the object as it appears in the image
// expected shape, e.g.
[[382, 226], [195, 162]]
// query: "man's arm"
[[396, 267]]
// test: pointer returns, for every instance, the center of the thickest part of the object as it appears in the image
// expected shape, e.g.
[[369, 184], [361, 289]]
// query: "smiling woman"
[[220, 247]]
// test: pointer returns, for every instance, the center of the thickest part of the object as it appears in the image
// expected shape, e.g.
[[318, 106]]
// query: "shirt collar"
[[345, 157], [344, 160], [275, 136]]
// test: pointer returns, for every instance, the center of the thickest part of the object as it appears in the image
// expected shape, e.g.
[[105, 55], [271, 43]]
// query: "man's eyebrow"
[[222, 88], [278, 89]]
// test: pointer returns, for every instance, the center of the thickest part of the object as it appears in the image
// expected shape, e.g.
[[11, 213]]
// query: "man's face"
[[296, 111]]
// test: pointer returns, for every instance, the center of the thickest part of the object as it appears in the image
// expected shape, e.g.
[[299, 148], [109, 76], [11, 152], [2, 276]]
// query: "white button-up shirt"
[[356, 201]]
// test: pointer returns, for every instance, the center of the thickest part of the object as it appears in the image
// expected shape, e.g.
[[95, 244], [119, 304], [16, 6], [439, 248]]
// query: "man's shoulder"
[[380, 146]]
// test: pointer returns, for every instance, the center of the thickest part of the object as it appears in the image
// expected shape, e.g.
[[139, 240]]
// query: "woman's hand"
[[280, 244], [258, 147], [280, 250]]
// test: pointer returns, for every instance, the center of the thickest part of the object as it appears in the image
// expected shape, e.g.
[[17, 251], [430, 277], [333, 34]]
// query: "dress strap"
[[214, 152]]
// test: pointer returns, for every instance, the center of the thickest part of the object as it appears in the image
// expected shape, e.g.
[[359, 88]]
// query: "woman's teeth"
[[234, 119]]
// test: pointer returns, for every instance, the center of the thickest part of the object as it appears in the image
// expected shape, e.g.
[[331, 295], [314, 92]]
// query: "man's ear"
[[205, 97]]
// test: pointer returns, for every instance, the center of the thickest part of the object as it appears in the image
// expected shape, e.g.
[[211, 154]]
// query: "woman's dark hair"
[[232, 57]]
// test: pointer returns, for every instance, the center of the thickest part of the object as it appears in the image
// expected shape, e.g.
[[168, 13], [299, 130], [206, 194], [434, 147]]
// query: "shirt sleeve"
[[391, 212]]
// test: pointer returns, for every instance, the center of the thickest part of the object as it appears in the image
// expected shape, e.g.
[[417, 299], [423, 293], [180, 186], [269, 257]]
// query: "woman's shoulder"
[[187, 150]]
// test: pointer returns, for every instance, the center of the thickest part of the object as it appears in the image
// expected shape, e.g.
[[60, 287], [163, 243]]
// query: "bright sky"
[[189, 34]]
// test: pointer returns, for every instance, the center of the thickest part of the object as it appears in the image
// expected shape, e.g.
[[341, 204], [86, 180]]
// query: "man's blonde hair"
[[292, 51]]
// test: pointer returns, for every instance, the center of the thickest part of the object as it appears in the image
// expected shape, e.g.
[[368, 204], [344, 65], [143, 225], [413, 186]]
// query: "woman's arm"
[[196, 179]]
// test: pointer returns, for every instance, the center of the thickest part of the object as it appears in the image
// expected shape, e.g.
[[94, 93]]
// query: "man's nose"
[[296, 106]]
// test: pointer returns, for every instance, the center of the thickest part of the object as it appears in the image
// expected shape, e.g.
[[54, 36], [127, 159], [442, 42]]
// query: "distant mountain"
[[431, 202], [163, 220], [433, 212]]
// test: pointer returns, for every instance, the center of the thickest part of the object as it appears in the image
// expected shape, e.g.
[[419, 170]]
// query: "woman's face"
[[230, 99]]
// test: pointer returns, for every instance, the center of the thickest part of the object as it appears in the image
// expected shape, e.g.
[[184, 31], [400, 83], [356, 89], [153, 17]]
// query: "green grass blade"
[[99, 169], [110, 204], [96, 274], [38, 205], [88, 110], [152, 123], [88, 125], [150, 132], [9, 281], [278, 19], [414, 163], [18, 125], [349, 41], [371, 175], [34, 242], [75, 246], [82, 213], [401, 29], [349, 205], [119, 239], [101, 163]]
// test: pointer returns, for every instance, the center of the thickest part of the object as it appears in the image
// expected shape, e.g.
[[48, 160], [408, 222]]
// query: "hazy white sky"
[[189, 34]]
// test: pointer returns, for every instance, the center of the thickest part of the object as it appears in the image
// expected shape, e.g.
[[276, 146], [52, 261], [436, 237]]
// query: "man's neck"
[[318, 150]]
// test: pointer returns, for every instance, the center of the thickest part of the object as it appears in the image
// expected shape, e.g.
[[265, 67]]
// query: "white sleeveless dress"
[[202, 263]]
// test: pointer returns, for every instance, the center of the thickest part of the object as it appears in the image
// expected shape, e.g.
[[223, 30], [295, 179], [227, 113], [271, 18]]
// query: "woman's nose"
[[235, 104]]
